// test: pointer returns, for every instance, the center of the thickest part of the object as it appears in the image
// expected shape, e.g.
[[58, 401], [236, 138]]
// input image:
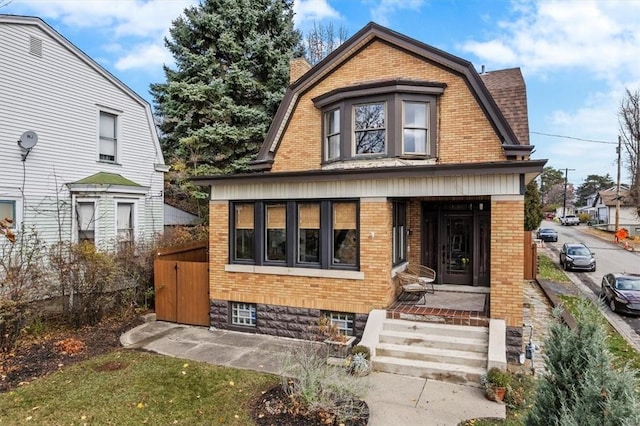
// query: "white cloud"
[[380, 12], [600, 37], [120, 18], [313, 10], [144, 56]]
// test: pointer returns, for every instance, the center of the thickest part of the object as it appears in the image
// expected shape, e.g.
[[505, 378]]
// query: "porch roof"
[[530, 169]]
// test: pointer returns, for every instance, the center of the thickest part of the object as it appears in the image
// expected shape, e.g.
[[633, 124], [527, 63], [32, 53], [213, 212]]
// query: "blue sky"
[[577, 57]]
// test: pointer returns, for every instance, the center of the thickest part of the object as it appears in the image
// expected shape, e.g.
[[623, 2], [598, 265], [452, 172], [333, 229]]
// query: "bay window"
[[393, 119], [86, 221]]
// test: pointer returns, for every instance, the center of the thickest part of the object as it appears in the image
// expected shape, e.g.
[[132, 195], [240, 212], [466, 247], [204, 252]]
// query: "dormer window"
[[383, 119]]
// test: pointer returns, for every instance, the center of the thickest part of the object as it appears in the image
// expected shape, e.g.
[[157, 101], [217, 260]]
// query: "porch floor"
[[450, 304]]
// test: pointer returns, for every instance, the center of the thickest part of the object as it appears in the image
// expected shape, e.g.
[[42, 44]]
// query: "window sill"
[[113, 163], [300, 272]]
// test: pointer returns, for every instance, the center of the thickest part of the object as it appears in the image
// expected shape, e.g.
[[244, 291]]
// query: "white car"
[[569, 220]]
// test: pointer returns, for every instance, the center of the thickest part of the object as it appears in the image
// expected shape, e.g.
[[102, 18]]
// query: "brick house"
[[388, 151]]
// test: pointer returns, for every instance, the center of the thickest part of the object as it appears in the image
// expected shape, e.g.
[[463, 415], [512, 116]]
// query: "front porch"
[[449, 304]]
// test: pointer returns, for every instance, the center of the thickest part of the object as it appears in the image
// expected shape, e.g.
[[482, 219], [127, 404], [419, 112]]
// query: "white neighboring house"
[[605, 207], [97, 171]]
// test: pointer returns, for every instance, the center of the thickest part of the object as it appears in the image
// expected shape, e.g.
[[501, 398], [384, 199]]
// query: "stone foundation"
[[275, 320], [514, 344]]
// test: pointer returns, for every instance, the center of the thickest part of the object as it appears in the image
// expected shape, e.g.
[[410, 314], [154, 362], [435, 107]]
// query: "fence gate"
[[530, 257], [181, 283]]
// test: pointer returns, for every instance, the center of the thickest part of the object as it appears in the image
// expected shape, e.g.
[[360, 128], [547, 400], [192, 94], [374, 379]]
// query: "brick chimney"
[[297, 67]]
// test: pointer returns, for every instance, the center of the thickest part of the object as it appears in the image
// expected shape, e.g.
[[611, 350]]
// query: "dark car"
[[547, 234], [621, 291], [577, 257]]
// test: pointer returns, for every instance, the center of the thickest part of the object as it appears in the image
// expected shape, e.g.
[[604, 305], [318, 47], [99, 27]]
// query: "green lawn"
[[128, 387]]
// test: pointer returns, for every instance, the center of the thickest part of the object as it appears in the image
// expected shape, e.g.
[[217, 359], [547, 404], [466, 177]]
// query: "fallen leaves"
[[69, 346]]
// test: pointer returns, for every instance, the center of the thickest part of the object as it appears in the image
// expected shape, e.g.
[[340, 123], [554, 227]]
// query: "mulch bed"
[[35, 357], [275, 408]]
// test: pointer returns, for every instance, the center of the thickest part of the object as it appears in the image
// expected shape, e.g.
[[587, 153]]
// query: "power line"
[[577, 139]]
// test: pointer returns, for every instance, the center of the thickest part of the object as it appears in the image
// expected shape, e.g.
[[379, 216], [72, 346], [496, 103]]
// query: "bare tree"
[[323, 39], [4, 3], [629, 120]]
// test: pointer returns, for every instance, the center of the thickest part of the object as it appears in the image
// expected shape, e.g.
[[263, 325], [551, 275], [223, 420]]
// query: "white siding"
[[59, 96], [462, 186]]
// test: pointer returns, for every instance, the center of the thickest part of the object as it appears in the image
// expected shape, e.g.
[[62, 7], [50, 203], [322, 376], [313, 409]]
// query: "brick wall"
[[332, 294], [507, 261], [464, 134]]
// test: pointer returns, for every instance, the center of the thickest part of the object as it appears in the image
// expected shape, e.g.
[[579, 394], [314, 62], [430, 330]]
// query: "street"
[[609, 257]]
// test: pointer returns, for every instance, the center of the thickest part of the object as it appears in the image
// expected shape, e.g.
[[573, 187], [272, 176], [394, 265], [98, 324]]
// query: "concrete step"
[[435, 355], [470, 344], [452, 373], [448, 330]]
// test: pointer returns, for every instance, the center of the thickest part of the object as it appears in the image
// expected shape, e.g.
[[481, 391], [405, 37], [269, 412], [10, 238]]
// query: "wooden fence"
[[530, 257], [181, 283]]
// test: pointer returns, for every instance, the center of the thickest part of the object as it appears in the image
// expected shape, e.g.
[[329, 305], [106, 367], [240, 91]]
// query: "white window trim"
[[136, 220], [19, 211], [74, 223], [119, 115]]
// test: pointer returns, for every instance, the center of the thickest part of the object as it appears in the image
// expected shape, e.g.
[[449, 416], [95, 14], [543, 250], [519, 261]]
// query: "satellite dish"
[[28, 140]]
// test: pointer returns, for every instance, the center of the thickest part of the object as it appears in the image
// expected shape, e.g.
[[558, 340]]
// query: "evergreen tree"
[[231, 70], [532, 207], [580, 386], [591, 185]]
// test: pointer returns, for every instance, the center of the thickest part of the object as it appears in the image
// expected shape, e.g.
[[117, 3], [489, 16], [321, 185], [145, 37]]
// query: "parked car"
[[547, 234], [577, 256], [621, 291], [569, 220]]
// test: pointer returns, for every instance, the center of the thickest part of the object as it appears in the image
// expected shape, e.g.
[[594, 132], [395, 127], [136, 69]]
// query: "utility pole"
[[618, 186], [564, 200]]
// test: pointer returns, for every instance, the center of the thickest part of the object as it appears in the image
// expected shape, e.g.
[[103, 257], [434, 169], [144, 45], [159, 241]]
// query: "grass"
[[126, 387], [548, 270]]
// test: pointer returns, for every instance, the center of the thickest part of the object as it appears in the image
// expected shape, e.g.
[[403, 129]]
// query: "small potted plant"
[[496, 383], [359, 362]]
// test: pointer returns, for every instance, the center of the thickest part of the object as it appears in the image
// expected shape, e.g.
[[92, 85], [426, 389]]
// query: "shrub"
[[363, 350], [581, 387], [498, 378], [12, 318]]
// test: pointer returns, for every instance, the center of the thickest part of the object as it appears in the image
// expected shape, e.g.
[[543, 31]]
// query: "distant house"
[[606, 203], [80, 154], [388, 152]]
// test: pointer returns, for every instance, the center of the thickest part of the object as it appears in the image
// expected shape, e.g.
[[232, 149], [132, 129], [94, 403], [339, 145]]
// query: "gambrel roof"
[[514, 143]]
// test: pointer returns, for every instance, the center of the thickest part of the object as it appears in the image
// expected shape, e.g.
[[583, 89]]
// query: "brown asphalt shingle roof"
[[510, 94], [608, 198]]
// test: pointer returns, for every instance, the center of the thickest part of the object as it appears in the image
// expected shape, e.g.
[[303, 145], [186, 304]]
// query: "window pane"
[[108, 140], [333, 147], [342, 321], [244, 231], [86, 221], [333, 122], [415, 114], [107, 125], [276, 248], [332, 131], [308, 233], [370, 142], [415, 141], [243, 314], [125, 224], [344, 234], [415, 127], [369, 123], [7, 211], [369, 116]]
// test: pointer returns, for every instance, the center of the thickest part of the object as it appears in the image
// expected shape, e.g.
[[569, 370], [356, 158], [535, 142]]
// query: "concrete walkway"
[[392, 399]]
